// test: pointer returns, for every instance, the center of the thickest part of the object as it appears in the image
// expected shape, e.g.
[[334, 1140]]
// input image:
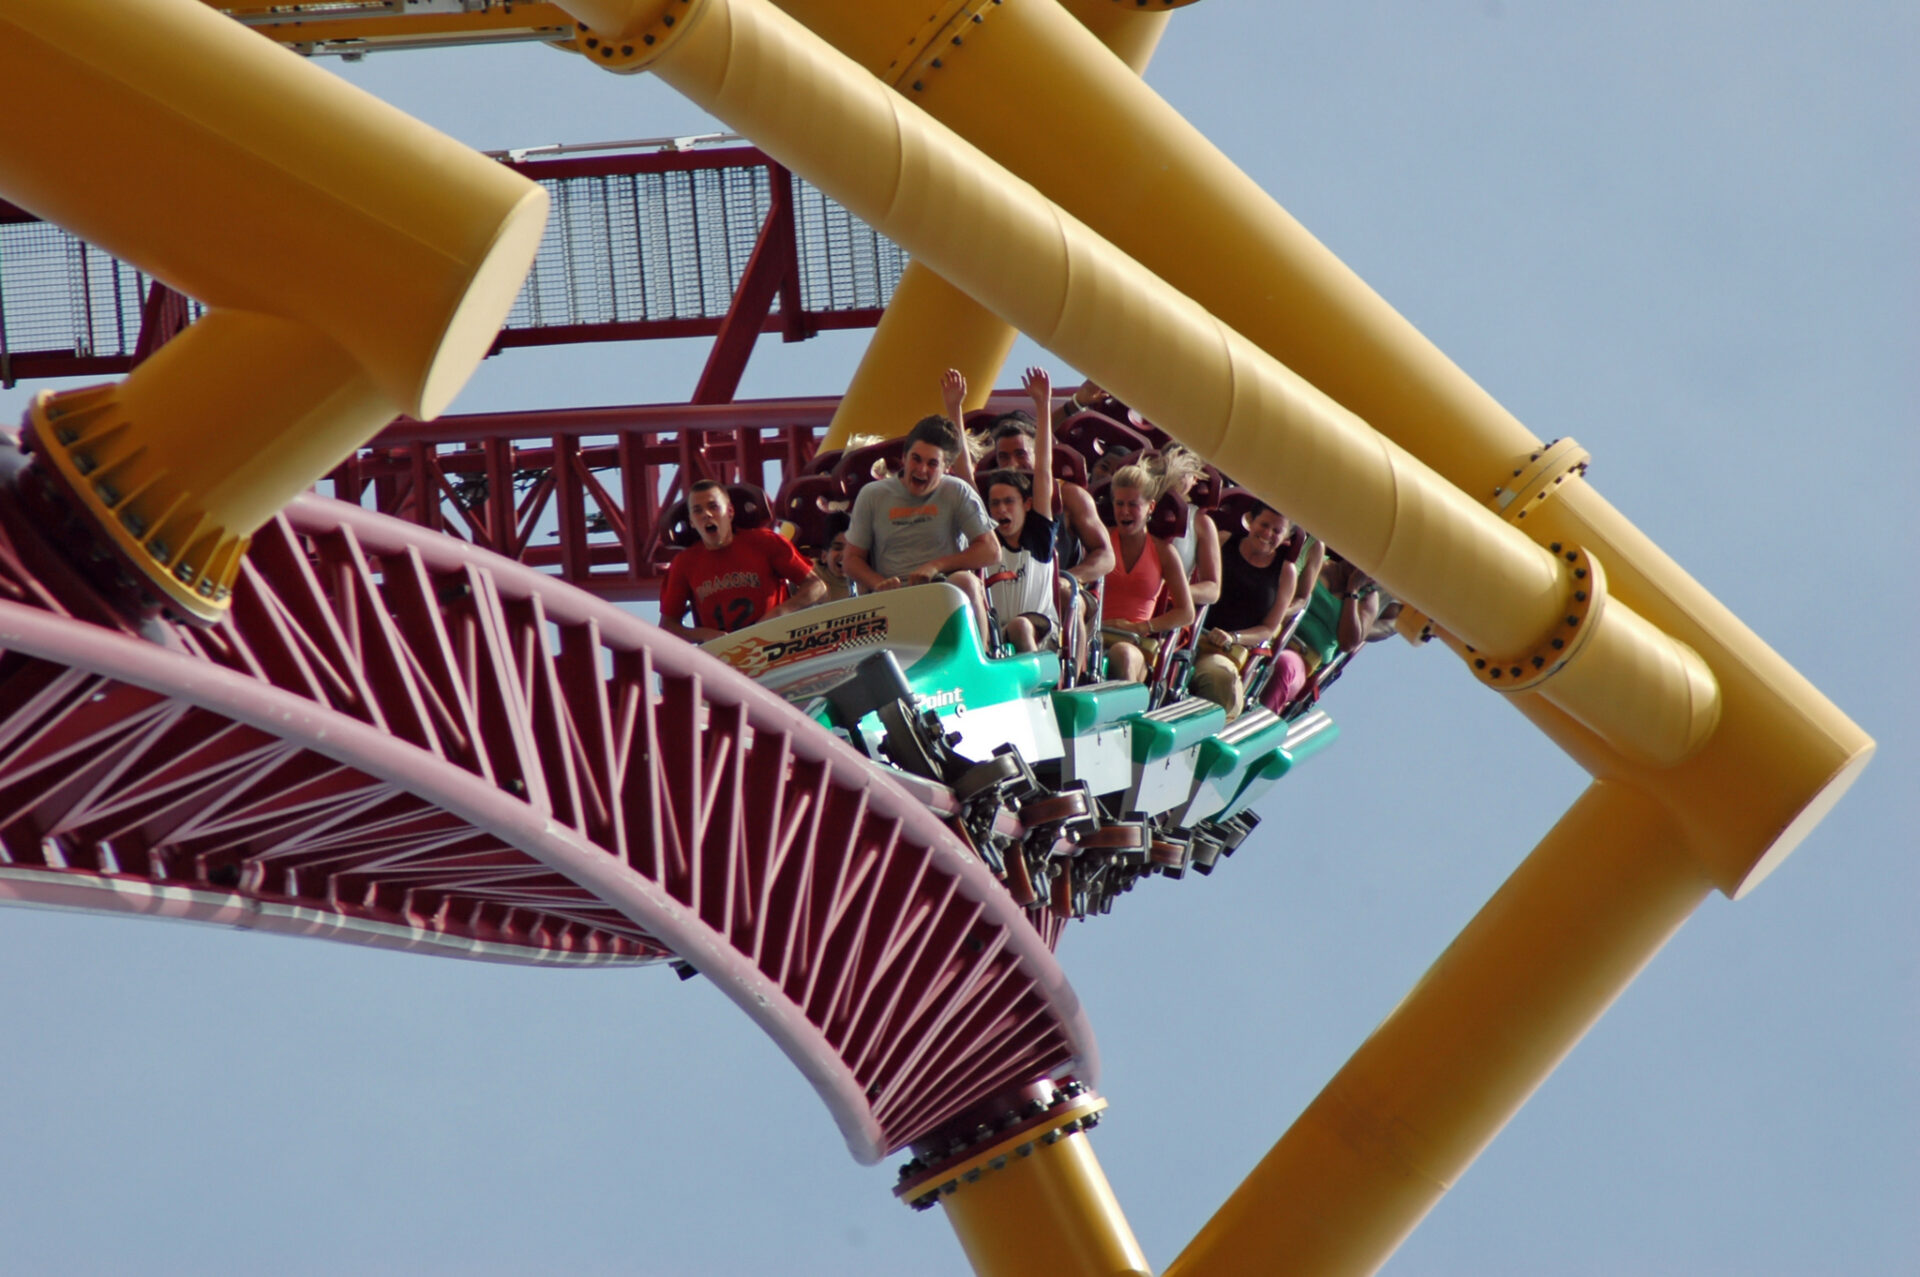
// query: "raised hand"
[[953, 392], [1039, 387]]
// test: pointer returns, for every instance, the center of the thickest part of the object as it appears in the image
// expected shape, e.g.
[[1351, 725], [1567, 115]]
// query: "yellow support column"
[[1487, 1023], [1048, 1215], [356, 264], [1697, 733], [1030, 1199], [930, 325]]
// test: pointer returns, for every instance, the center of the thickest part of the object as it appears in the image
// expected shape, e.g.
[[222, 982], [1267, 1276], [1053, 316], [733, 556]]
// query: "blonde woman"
[[1178, 470], [1148, 570]]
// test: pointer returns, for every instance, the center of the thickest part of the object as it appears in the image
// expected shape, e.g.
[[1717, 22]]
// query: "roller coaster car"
[[1069, 794]]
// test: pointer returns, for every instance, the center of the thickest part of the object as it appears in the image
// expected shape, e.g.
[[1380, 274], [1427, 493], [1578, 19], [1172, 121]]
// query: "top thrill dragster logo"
[[757, 656]]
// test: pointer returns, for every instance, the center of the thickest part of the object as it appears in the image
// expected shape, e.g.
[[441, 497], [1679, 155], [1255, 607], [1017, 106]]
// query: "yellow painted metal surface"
[[930, 325], [1438, 1079], [356, 262], [1052, 1214], [1712, 757], [1049, 275], [1781, 749]]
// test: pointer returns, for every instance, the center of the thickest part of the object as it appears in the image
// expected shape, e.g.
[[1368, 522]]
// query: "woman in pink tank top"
[[1148, 570]]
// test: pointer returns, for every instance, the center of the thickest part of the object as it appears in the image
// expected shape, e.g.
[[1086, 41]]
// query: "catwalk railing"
[[716, 242]]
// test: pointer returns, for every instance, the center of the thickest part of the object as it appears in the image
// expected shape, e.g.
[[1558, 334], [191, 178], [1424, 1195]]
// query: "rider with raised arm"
[[1022, 509], [924, 524], [1084, 557]]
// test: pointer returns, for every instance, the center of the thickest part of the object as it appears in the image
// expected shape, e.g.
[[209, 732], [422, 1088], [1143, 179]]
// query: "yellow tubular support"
[[1050, 1214], [356, 264], [1782, 754], [1168, 197], [999, 240], [930, 325], [1438, 1079]]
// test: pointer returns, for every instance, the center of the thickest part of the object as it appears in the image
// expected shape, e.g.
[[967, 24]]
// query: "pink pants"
[[1289, 677]]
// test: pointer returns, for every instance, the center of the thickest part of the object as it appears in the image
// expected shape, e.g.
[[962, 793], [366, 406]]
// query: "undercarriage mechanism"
[[1054, 844]]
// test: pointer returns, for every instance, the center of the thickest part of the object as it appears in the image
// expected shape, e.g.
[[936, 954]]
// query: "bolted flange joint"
[[942, 36], [184, 559], [1538, 478], [1585, 603], [946, 1165], [644, 35]]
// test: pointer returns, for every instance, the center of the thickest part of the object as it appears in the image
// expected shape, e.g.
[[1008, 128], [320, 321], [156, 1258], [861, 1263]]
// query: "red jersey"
[[731, 588]]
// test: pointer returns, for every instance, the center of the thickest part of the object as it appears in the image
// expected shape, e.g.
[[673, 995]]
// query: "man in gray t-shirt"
[[926, 523], [901, 529]]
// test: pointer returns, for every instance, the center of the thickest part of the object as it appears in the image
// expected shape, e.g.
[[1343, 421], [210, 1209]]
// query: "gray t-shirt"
[[900, 531]]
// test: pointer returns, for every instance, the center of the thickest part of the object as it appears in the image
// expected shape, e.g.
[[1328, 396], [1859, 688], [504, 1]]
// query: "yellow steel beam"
[[1403, 1118], [1170, 199], [1032, 1200], [1707, 737], [930, 325], [357, 265], [1050, 1214]]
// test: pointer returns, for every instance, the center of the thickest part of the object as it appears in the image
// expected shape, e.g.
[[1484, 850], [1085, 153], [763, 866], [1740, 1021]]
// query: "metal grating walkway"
[[639, 245]]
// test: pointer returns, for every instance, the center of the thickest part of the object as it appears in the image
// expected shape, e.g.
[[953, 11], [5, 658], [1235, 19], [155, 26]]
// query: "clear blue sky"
[[1682, 234]]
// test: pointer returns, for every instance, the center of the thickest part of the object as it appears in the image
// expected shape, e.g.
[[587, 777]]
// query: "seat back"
[[1207, 489], [823, 461], [751, 509], [1095, 435], [807, 501], [1232, 508], [856, 464], [1069, 465]]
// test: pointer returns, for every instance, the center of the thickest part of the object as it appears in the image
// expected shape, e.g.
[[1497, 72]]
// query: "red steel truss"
[[413, 732], [713, 242], [579, 491], [399, 739]]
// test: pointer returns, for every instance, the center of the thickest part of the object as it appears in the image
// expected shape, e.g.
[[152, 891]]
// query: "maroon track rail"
[[401, 740]]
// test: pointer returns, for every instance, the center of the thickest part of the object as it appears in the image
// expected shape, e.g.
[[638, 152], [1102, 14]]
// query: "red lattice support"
[[401, 740], [580, 491]]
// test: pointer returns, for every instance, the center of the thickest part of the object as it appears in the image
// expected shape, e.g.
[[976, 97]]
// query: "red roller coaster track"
[[402, 740]]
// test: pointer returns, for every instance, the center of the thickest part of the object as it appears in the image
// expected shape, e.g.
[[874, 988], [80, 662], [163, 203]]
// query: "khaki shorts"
[[1149, 644], [1043, 628]]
